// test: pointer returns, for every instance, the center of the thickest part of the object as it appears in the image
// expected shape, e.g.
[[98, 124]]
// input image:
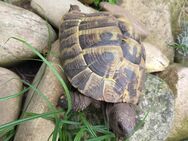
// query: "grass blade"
[[88, 125], [79, 134], [19, 121]]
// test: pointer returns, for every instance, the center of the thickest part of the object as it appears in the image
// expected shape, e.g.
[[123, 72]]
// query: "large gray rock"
[[40, 129], [10, 84], [155, 15], [20, 23], [158, 102], [176, 76], [54, 10]]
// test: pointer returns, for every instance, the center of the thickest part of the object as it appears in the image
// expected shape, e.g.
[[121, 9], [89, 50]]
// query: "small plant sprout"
[[181, 46]]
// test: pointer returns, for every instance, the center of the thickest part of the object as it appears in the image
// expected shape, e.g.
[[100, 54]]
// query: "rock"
[[176, 76], [158, 102], [10, 84], [155, 15], [40, 129], [155, 60], [20, 23], [46, 9]]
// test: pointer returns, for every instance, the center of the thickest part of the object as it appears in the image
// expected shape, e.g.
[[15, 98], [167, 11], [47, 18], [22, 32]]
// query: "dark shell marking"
[[100, 58]]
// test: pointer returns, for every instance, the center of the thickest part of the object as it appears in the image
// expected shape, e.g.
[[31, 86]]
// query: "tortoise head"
[[121, 118], [74, 8]]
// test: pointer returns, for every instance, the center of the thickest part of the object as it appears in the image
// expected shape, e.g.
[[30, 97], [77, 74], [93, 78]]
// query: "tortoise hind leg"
[[79, 101]]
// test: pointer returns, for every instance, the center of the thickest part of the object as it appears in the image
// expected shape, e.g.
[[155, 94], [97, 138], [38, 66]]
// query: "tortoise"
[[103, 59]]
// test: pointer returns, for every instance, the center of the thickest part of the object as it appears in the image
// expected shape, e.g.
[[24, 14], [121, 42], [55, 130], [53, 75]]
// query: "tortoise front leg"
[[79, 101]]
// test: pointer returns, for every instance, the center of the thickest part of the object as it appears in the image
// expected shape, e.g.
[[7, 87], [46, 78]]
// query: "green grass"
[[181, 44], [181, 48], [179, 22]]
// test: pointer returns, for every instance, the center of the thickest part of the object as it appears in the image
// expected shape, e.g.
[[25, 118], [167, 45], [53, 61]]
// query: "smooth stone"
[[40, 129], [158, 102], [54, 10], [155, 60], [176, 76], [21, 23], [10, 84], [155, 15]]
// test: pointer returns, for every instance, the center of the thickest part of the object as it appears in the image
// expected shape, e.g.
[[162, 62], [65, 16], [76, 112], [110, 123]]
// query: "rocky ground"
[[29, 32]]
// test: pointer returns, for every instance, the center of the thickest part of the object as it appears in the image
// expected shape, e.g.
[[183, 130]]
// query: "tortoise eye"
[[62, 102]]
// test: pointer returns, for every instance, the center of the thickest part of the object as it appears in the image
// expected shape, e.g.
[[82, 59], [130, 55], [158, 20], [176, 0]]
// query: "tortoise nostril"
[[120, 127]]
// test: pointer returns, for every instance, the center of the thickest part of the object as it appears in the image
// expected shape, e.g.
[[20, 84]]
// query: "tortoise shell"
[[101, 57]]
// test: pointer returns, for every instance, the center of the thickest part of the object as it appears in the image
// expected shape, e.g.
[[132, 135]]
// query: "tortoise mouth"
[[121, 118], [122, 129]]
